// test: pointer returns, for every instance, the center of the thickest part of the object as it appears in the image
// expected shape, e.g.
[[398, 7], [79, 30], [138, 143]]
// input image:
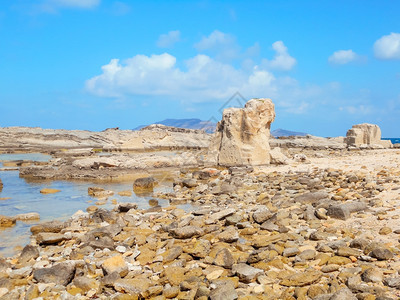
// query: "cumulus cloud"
[[207, 77], [203, 78], [169, 39], [282, 60], [388, 47], [342, 57]]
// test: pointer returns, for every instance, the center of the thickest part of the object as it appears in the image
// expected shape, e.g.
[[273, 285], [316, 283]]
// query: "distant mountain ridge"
[[209, 126], [282, 132]]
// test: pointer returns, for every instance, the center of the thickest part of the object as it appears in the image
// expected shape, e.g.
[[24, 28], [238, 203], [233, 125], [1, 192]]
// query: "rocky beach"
[[246, 215]]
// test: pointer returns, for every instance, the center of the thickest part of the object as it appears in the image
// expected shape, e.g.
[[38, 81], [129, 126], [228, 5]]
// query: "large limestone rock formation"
[[242, 136], [365, 134]]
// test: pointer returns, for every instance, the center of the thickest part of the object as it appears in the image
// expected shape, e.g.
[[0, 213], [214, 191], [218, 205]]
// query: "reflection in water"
[[24, 196], [25, 156]]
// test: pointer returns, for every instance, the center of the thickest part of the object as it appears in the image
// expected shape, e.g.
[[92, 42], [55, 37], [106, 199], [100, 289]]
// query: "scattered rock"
[[372, 275], [144, 184], [115, 264], [246, 273], [29, 252], [48, 238], [224, 291], [381, 254], [343, 294], [224, 258], [186, 232], [27, 216], [61, 273], [302, 279], [7, 221], [49, 191]]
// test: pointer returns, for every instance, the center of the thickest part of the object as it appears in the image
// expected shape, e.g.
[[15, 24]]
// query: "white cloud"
[[203, 79], [215, 40], [53, 6], [221, 44], [342, 57], [358, 109], [282, 60], [388, 47], [169, 39]]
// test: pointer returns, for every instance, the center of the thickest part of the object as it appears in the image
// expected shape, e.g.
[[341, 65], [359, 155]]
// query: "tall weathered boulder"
[[365, 134], [242, 136]]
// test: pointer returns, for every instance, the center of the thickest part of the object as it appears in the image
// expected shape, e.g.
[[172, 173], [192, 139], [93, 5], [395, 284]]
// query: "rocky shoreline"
[[284, 232], [292, 218]]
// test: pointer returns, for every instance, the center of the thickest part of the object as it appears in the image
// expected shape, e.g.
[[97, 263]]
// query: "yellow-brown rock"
[[49, 191], [115, 264]]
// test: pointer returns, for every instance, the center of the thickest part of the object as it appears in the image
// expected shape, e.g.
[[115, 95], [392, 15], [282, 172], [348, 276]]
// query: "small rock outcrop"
[[242, 136], [365, 134]]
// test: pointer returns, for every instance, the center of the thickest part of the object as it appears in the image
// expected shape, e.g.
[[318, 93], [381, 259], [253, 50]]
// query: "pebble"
[[281, 235]]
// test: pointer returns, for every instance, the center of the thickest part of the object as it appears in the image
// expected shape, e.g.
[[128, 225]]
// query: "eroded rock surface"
[[242, 136], [365, 134]]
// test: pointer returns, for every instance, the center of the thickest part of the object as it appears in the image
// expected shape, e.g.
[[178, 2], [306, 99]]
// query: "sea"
[[21, 195], [394, 140]]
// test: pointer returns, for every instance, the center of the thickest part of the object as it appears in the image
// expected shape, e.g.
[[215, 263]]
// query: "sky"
[[95, 64]]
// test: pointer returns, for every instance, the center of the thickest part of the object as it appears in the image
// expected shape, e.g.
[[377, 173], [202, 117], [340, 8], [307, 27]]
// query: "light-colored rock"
[[115, 264], [277, 157], [27, 216], [343, 294], [365, 134], [242, 136], [225, 291], [186, 232], [246, 273], [47, 238]]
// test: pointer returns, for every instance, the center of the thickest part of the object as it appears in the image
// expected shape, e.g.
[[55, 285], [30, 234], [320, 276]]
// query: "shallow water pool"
[[21, 195]]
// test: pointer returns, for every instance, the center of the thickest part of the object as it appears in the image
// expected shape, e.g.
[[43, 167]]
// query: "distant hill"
[[207, 126], [282, 132]]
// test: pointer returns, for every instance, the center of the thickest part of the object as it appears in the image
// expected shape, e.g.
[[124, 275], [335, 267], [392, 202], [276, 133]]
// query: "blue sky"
[[94, 64]]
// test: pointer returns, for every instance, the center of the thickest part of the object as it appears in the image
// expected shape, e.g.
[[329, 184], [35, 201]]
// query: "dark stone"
[[338, 212], [62, 274], [103, 215], [145, 183], [109, 279], [100, 238], [125, 207], [381, 254], [29, 252]]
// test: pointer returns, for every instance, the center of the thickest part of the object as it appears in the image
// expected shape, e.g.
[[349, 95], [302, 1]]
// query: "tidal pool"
[[21, 195]]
